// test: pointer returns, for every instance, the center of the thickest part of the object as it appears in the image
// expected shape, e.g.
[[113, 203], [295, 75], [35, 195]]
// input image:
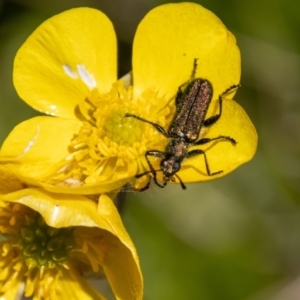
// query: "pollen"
[[110, 146], [123, 131]]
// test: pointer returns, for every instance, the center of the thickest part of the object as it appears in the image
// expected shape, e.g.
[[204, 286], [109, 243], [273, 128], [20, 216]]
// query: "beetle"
[[192, 102]]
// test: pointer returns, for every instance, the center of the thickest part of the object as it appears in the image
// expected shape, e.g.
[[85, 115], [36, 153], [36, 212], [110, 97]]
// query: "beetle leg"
[[220, 137], [212, 120], [154, 153], [202, 152]]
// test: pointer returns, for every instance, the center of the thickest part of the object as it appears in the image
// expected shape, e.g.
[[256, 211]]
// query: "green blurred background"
[[234, 238]]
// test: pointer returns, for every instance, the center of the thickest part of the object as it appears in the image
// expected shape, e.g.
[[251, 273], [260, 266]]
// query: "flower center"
[[110, 146], [45, 246], [40, 256], [121, 130]]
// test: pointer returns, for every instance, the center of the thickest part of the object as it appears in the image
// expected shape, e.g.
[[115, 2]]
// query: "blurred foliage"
[[234, 238]]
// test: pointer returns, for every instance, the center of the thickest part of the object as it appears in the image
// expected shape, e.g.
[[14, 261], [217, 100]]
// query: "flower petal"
[[64, 58], [9, 182], [36, 147], [73, 187], [121, 263], [171, 37], [77, 289]]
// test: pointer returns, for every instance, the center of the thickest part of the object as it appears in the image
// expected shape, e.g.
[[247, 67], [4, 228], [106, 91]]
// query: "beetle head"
[[169, 167]]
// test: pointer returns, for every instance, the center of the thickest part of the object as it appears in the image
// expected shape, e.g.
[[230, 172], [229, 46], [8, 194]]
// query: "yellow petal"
[[76, 289], [120, 261], [122, 274], [36, 147], [56, 66], [222, 155], [9, 182], [168, 40], [69, 186]]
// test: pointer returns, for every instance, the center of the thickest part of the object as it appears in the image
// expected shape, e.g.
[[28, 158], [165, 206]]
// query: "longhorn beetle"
[[192, 102]]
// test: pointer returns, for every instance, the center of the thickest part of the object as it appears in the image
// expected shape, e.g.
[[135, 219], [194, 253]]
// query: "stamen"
[[109, 146]]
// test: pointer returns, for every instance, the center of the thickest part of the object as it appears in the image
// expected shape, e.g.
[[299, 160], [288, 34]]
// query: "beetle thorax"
[[176, 151]]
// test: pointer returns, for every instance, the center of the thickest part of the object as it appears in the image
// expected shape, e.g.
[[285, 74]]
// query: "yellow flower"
[[67, 69], [53, 240]]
